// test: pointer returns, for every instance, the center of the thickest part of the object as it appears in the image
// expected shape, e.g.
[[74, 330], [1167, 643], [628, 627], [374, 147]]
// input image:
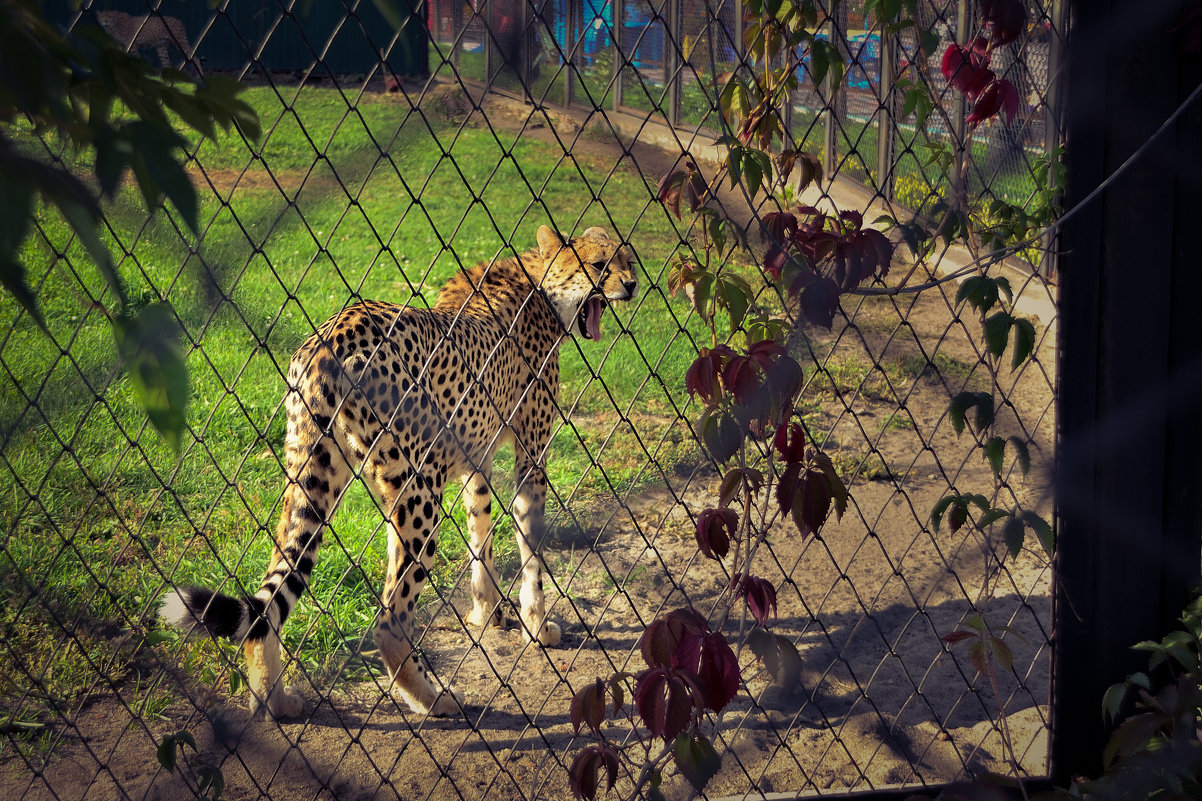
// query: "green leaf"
[[161, 636], [930, 41], [995, 451], [209, 777], [839, 493], [956, 411], [1112, 701], [1001, 653], [720, 434], [756, 166], [736, 297], [717, 231], [990, 517], [833, 63], [703, 288], [732, 485], [655, 782], [166, 753], [74, 201], [12, 278], [1024, 342], [978, 500], [997, 332], [953, 226], [978, 656], [979, 290], [1015, 535], [1042, 530], [1003, 285], [696, 759], [156, 147], [752, 174], [959, 405], [16, 212], [940, 509], [148, 344], [85, 225], [1134, 734], [1180, 646], [113, 157], [734, 164]]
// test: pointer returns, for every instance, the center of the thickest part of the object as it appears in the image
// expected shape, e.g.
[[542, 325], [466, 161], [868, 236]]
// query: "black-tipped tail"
[[219, 615]]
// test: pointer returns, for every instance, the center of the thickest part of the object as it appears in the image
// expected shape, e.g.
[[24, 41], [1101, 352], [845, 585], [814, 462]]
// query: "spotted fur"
[[412, 398], [157, 32]]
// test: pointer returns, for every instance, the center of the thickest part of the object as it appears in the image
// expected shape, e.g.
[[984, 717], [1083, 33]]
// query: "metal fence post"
[[886, 126], [959, 187], [835, 100], [572, 26], [619, 17], [1054, 113], [673, 60]]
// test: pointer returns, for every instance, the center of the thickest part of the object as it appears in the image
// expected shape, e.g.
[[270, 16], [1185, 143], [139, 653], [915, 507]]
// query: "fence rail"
[[372, 183]]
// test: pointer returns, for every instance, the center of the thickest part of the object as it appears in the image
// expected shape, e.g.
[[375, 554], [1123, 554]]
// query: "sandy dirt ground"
[[882, 700]]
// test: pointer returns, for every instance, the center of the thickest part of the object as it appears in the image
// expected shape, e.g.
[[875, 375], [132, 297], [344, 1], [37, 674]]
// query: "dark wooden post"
[[1130, 474]]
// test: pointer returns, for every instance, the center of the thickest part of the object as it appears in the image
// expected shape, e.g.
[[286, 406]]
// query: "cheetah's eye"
[[599, 265]]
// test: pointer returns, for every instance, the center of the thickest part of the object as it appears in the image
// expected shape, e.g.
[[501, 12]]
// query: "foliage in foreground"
[[748, 383], [109, 108]]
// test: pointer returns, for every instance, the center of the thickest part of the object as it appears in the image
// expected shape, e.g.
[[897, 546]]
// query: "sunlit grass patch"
[[334, 204]]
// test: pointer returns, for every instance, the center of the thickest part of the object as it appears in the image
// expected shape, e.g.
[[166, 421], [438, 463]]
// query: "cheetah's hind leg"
[[415, 502], [486, 595]]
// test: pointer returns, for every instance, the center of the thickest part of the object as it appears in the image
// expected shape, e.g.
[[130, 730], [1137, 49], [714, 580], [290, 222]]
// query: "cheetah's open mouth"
[[589, 316]]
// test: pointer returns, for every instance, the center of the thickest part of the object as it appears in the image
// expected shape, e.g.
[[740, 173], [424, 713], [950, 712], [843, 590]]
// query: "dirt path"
[[882, 701]]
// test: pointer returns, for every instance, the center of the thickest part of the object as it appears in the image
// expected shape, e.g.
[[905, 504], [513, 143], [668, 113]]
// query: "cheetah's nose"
[[630, 286]]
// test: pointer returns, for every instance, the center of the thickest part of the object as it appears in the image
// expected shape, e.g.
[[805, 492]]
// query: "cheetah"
[[149, 31], [410, 398]]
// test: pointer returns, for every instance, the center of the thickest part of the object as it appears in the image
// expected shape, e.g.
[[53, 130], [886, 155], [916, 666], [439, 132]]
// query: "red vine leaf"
[[790, 442], [1006, 19], [666, 699], [588, 707], [715, 529], [760, 595], [662, 637], [702, 377], [967, 67], [709, 657], [584, 775]]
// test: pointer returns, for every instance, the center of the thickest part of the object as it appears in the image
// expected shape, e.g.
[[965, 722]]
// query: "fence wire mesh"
[[380, 175]]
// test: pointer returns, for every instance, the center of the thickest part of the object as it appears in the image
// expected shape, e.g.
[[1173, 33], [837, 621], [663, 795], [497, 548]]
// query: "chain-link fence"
[[384, 168], [664, 58]]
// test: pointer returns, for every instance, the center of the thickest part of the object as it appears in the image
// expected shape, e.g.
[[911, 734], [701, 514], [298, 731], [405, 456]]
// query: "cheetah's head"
[[583, 275]]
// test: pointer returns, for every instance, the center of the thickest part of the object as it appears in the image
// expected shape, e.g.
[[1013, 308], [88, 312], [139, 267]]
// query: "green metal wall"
[[330, 37]]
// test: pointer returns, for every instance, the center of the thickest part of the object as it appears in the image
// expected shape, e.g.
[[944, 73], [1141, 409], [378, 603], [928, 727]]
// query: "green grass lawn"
[[336, 203]]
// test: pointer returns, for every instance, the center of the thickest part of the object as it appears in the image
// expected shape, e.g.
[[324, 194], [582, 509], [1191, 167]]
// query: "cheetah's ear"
[[549, 242], [596, 231]]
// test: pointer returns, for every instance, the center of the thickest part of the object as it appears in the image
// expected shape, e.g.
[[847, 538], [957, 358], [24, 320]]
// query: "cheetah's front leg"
[[528, 507]]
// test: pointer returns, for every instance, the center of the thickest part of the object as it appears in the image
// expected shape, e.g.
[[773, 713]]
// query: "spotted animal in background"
[[411, 398], [157, 32]]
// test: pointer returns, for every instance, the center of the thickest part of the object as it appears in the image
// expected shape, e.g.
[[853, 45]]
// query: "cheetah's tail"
[[197, 609]]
